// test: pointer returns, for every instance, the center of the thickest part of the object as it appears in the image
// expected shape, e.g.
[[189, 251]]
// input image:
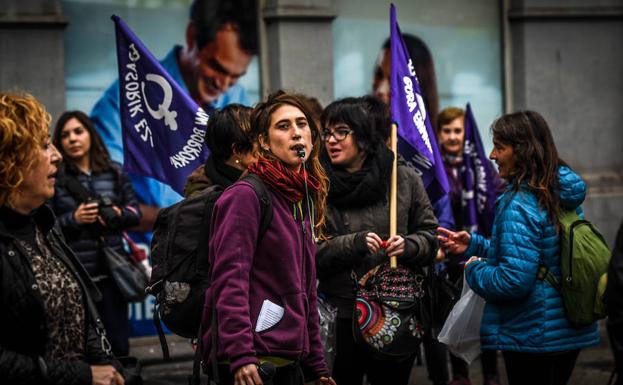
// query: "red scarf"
[[284, 180]]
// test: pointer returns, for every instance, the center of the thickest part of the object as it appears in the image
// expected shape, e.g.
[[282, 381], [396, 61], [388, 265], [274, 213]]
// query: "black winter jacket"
[[612, 297], [345, 249], [23, 327], [84, 239]]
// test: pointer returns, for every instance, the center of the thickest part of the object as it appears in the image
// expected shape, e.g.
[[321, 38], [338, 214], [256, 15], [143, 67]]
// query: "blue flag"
[[416, 139], [163, 128], [480, 181]]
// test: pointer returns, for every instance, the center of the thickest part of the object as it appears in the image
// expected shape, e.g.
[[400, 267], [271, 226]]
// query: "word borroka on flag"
[[163, 128], [416, 139], [480, 180]]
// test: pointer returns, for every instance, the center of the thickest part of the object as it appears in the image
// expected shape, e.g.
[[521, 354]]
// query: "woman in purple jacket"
[[264, 287]]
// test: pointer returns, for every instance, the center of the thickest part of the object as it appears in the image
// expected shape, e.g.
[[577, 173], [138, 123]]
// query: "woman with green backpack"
[[524, 316]]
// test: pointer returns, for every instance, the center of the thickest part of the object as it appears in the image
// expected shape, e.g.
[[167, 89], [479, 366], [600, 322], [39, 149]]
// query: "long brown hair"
[[260, 123], [99, 159], [536, 157]]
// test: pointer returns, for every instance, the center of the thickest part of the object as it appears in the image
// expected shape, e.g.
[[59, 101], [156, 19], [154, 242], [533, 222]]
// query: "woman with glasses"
[[359, 166]]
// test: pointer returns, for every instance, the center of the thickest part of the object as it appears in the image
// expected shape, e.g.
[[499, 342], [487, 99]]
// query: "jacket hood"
[[197, 181], [572, 188]]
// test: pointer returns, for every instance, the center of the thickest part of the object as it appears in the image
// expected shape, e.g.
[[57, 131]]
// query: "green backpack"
[[584, 258]]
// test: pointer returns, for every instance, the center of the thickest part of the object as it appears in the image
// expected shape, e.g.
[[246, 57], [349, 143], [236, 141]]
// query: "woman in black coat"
[[358, 164], [46, 331], [95, 214]]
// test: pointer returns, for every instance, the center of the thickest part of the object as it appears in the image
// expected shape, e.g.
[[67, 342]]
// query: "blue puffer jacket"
[[522, 313]]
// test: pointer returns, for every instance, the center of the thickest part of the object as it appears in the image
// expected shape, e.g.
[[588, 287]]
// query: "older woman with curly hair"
[[46, 334]]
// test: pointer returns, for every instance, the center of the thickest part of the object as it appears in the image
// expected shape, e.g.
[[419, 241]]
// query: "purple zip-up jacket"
[[279, 267]]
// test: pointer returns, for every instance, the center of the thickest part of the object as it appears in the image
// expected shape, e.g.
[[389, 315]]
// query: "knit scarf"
[[364, 187], [289, 183]]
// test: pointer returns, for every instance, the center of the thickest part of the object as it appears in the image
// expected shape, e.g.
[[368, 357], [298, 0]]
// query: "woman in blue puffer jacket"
[[524, 317]]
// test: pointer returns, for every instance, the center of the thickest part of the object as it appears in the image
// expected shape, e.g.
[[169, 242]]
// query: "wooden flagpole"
[[393, 201]]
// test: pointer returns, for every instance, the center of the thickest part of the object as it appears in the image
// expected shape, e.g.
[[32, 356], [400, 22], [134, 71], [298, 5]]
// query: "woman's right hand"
[[373, 241], [86, 213], [247, 375], [453, 242], [106, 375]]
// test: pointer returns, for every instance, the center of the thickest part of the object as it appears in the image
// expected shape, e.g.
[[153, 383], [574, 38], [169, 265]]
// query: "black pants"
[[436, 355], [615, 331], [353, 361], [539, 368], [113, 309], [285, 375]]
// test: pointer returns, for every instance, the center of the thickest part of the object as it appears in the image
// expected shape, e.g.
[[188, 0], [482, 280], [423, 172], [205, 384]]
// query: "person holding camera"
[[95, 203]]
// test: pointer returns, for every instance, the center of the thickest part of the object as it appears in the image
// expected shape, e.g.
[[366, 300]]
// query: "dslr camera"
[[106, 212]]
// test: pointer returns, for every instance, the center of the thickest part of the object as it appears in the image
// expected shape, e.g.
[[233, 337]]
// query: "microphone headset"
[[300, 152]]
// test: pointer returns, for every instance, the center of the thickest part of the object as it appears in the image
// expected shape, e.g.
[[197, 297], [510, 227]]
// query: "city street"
[[594, 365]]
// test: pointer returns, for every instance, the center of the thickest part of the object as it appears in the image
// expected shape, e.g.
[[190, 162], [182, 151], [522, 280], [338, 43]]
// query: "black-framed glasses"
[[339, 134]]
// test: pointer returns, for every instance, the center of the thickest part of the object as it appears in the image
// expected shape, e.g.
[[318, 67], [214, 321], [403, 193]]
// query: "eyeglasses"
[[340, 134]]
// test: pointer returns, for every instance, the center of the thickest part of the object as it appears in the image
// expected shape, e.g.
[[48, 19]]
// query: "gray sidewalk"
[[594, 365]]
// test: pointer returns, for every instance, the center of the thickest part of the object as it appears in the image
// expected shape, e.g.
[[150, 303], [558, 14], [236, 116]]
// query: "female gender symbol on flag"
[[163, 128]]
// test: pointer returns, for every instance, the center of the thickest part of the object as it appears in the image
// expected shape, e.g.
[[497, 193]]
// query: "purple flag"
[[480, 181], [163, 128], [416, 139]]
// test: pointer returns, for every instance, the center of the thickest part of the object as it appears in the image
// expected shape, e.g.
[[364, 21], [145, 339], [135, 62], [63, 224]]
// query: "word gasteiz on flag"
[[163, 128]]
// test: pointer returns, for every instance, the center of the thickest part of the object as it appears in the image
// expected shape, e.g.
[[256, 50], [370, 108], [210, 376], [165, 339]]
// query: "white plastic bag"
[[461, 331], [328, 317]]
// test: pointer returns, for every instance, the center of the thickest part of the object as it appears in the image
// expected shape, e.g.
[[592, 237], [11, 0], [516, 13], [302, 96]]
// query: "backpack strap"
[[266, 203], [80, 193], [544, 274], [203, 247]]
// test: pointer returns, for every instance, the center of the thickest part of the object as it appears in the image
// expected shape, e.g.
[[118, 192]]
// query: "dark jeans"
[[114, 312], [353, 361], [615, 331], [437, 362], [539, 368], [286, 375]]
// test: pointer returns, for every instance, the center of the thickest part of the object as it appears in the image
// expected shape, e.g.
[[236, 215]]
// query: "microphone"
[[267, 371], [300, 152]]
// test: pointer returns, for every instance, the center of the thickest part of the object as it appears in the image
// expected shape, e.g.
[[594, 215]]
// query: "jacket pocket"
[[524, 321], [289, 333]]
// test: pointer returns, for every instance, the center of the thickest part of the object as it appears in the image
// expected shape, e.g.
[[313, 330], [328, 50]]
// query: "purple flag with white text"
[[416, 139], [480, 181], [163, 128]]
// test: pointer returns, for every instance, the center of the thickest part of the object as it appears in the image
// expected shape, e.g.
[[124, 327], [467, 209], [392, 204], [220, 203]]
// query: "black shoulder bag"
[[128, 276]]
